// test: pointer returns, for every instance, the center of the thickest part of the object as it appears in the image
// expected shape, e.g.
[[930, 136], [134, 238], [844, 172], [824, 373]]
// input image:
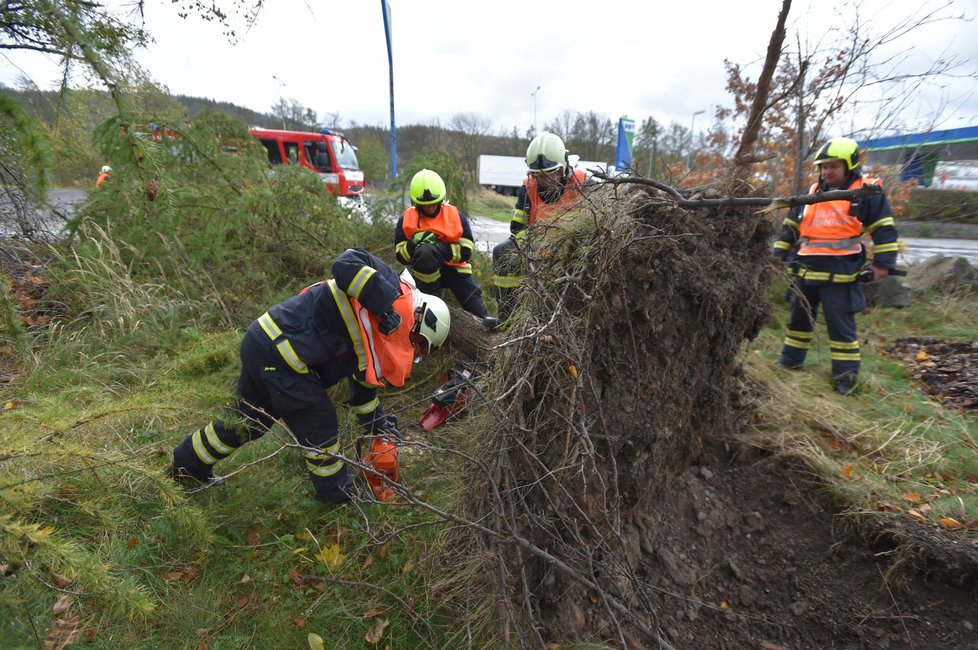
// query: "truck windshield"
[[346, 157]]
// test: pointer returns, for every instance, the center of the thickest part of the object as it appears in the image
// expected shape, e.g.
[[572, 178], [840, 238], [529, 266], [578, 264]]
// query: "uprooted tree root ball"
[[621, 359]]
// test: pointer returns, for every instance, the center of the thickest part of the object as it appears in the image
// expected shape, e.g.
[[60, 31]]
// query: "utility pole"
[[689, 153], [536, 130]]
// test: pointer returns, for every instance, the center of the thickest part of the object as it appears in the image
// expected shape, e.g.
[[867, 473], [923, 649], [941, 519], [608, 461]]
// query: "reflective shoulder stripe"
[[360, 280], [288, 353], [346, 311], [269, 326]]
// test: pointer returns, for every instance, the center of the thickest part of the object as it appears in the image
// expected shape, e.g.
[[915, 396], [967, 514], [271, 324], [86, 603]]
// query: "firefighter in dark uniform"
[[824, 243], [434, 240], [550, 189], [365, 324]]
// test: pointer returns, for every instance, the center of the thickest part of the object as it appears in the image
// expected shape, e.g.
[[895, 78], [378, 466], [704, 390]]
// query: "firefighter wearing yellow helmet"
[[434, 240], [551, 188], [366, 325], [824, 243]]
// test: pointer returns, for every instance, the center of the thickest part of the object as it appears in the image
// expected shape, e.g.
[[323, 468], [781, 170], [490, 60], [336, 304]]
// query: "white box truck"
[[505, 174]]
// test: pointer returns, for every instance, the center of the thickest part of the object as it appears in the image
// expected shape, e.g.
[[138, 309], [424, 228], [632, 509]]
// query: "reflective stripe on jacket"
[[829, 228]]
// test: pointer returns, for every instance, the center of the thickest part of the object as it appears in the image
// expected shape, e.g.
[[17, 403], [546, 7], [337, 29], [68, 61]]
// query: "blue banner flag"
[[626, 135]]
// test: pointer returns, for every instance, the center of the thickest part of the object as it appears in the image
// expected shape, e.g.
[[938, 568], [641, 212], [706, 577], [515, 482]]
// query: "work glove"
[[427, 258], [423, 237], [389, 322]]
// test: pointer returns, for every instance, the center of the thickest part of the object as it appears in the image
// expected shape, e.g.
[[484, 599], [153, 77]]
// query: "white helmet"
[[546, 153], [432, 318], [106, 169]]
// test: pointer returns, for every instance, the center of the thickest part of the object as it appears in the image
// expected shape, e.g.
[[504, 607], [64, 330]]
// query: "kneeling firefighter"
[[434, 240], [366, 324]]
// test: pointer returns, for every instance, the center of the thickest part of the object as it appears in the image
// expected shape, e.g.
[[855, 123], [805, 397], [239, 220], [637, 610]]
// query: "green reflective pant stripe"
[[507, 281], [427, 277], [364, 409], [324, 463]]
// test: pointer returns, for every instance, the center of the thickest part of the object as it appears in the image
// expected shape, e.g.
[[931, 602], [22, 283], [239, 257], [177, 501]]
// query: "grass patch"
[[486, 203], [889, 449]]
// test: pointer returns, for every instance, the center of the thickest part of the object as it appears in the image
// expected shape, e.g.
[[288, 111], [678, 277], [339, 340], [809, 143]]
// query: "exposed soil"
[[750, 555], [649, 527]]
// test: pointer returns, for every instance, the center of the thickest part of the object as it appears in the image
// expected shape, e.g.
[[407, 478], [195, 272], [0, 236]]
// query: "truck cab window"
[[345, 154], [292, 152], [318, 156], [274, 154]]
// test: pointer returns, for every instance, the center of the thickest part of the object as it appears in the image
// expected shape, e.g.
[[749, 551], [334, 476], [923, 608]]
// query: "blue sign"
[[626, 135]]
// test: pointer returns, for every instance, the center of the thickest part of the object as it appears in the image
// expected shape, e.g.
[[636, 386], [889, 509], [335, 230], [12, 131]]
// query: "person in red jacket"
[[434, 240], [551, 188], [366, 325]]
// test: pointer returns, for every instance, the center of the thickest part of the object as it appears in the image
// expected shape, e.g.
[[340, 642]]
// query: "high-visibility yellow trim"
[[215, 442], [288, 353], [200, 450], [825, 276], [369, 407], [795, 343], [360, 280], [887, 248], [456, 252], [845, 356], [401, 248], [782, 245], [466, 243], [507, 281], [346, 311], [324, 470], [844, 345], [791, 222], [267, 324], [323, 454], [520, 217], [885, 221], [427, 277], [799, 334]]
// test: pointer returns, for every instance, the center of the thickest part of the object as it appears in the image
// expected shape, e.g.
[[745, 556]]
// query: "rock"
[[798, 607], [943, 274], [888, 292], [968, 625], [754, 521], [678, 571], [706, 473]]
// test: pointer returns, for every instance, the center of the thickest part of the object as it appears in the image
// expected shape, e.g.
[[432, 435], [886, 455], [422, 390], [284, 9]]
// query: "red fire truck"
[[327, 153]]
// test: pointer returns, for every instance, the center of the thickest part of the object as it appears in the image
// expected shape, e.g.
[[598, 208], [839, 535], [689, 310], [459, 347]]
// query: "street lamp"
[[689, 154], [534, 93], [281, 99]]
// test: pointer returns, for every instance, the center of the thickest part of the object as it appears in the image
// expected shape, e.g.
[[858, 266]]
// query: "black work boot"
[[490, 322], [845, 385]]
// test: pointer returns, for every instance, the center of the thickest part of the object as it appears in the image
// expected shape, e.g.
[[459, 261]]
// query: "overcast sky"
[[622, 57]]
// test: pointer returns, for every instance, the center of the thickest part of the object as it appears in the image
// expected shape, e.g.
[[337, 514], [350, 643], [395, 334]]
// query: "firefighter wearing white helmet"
[[103, 176], [550, 189], [434, 240], [823, 242], [366, 325]]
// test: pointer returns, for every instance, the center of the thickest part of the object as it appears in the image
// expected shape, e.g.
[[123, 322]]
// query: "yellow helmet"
[[427, 188], [839, 149]]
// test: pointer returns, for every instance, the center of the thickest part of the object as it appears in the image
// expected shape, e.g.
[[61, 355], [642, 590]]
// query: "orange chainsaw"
[[382, 461], [448, 399]]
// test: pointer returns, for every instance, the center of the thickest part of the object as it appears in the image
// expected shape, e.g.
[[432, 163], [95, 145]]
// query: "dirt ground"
[[755, 557]]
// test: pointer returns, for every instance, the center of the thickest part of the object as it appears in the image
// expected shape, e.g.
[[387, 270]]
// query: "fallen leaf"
[[917, 516], [376, 631], [408, 565], [921, 356], [368, 562], [572, 370], [133, 541], [58, 579], [243, 602], [202, 645], [301, 549], [375, 611], [304, 536], [245, 579], [846, 470], [553, 646], [299, 621], [172, 576], [296, 579], [950, 523], [316, 641], [9, 406], [913, 497], [382, 552], [253, 537], [62, 604], [724, 604], [331, 557], [201, 631]]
